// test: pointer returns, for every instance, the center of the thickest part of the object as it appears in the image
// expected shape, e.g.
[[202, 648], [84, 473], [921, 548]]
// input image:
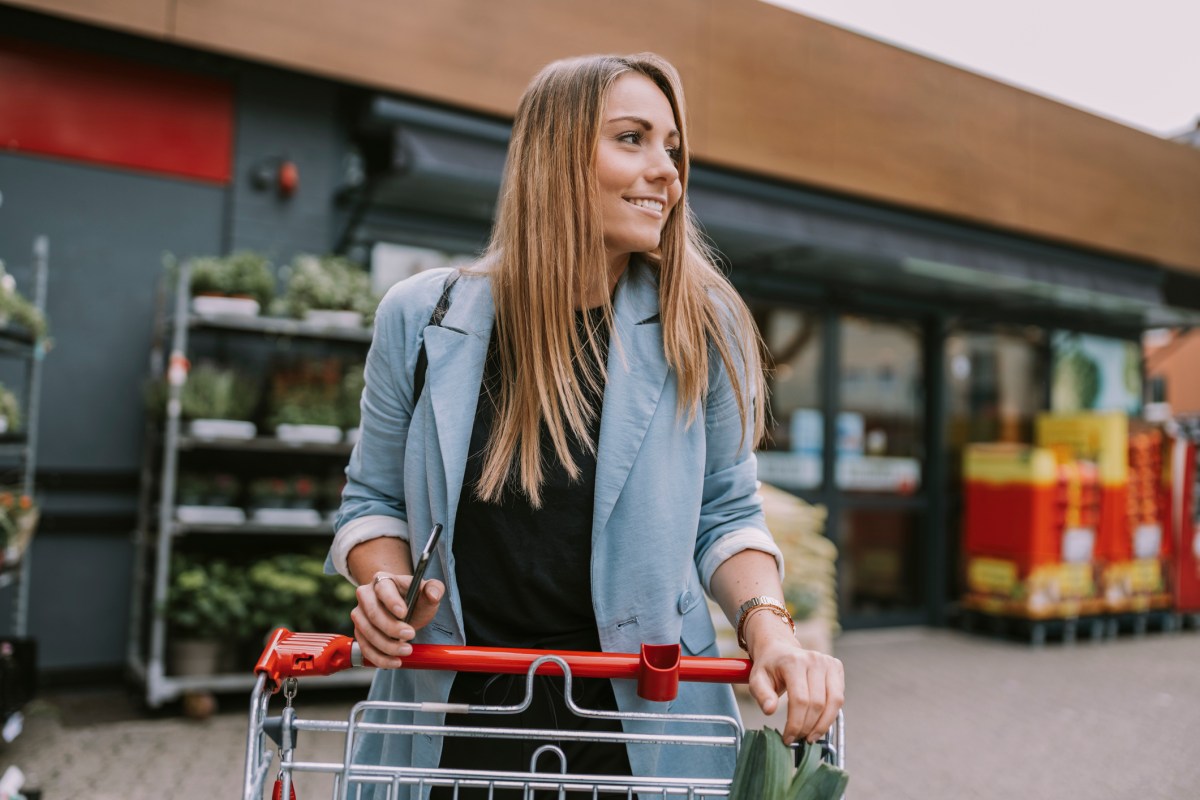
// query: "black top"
[[524, 574]]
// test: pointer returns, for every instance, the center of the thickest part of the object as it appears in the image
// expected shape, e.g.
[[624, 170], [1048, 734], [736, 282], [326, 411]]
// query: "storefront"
[[899, 329]]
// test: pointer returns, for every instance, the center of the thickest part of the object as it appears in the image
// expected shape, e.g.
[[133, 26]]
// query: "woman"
[[585, 435]]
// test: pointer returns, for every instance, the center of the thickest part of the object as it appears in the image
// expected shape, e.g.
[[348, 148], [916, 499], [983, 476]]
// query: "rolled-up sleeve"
[[731, 515]]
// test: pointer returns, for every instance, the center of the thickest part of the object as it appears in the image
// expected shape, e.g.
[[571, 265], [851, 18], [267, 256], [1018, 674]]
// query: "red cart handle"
[[658, 669]]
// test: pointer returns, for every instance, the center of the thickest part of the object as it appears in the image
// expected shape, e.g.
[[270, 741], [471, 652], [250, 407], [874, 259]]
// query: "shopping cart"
[[657, 670]]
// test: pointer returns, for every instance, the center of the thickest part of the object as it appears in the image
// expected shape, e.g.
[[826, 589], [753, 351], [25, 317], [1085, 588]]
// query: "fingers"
[[432, 592], [381, 633], [378, 618], [762, 689], [835, 696], [814, 684]]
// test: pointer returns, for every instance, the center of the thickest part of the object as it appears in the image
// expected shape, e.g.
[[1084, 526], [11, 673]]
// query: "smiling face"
[[636, 168]]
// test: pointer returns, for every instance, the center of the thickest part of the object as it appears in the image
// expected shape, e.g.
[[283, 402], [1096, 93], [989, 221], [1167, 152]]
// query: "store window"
[[882, 390], [996, 385], [791, 456]]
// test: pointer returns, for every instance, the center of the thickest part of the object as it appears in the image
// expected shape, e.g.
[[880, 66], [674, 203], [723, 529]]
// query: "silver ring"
[[382, 577]]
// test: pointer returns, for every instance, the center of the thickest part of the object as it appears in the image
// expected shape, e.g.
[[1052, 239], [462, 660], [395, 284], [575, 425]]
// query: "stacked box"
[[1182, 520], [1029, 532], [1101, 438]]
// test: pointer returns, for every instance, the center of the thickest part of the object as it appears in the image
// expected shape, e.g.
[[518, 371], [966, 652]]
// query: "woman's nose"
[[662, 167]]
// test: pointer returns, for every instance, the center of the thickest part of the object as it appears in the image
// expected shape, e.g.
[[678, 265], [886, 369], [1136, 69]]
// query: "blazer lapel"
[[637, 373], [457, 350]]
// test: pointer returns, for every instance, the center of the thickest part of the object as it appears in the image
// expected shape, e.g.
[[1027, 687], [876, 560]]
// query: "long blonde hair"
[[545, 254]]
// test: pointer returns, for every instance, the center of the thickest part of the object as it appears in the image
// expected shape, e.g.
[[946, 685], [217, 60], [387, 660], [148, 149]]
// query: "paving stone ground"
[[931, 715]]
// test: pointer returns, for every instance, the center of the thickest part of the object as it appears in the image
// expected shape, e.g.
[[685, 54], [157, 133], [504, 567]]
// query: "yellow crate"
[[1009, 463], [1093, 436]]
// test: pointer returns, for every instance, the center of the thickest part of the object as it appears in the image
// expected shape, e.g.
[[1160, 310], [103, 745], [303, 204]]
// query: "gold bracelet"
[[778, 609]]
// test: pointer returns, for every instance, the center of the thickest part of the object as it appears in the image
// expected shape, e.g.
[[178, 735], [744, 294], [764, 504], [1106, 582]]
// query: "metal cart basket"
[[657, 669]]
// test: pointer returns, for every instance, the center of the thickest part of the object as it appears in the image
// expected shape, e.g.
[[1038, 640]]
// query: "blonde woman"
[[585, 435]]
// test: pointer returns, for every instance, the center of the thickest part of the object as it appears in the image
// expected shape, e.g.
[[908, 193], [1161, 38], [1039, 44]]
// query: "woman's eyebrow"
[[645, 123]]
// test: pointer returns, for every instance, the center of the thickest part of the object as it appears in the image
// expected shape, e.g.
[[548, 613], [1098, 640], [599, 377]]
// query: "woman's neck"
[[599, 293]]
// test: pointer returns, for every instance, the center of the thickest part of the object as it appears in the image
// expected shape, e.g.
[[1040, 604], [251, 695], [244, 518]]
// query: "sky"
[[1137, 63]]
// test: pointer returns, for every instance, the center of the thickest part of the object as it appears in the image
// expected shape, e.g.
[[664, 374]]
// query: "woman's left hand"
[[815, 683]]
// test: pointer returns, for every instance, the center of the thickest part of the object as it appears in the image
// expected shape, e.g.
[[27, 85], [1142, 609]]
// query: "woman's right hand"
[[379, 625]]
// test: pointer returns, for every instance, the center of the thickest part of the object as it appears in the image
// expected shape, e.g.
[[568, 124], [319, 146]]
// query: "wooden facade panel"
[[475, 54], [147, 17], [771, 92]]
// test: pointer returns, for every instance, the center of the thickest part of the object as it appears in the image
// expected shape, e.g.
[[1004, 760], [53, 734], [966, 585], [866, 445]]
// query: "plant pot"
[[222, 429], [329, 318], [212, 305], [287, 517], [209, 515], [309, 434], [195, 656]]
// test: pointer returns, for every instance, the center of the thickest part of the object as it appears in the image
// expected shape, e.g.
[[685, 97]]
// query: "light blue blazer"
[[672, 500]]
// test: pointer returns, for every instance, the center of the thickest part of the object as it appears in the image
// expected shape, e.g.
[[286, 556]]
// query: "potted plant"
[[241, 283], [353, 383], [330, 291], [287, 502], [293, 591], [204, 499], [219, 402], [207, 606], [10, 411], [305, 402], [16, 311], [18, 521]]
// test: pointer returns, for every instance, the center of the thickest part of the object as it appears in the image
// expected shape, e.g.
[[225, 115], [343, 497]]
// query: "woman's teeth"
[[653, 205]]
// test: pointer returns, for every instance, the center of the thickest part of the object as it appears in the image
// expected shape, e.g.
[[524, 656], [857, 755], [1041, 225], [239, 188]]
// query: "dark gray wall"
[[282, 115], [108, 230]]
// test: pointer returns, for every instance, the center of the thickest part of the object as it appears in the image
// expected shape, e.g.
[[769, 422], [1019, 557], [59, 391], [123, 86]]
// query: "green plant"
[[294, 592], [306, 405], [353, 383], [18, 518], [16, 310], [241, 274], [207, 599], [272, 492], [10, 410], [192, 488], [764, 771], [215, 392], [307, 393], [328, 282]]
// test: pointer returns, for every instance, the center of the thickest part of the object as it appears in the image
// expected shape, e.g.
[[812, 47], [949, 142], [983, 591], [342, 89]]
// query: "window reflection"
[[791, 458], [881, 426]]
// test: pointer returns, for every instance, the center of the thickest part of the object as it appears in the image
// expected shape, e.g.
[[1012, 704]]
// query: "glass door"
[[880, 461]]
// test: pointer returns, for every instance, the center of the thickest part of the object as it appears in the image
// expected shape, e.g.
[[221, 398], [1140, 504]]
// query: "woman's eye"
[[675, 153], [630, 137]]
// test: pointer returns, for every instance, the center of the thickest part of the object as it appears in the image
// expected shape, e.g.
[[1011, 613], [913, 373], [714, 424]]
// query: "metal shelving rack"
[[23, 345], [15, 343], [158, 529]]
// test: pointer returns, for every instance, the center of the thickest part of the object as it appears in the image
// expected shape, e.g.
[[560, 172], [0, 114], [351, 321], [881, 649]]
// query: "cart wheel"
[[1037, 634], [199, 705]]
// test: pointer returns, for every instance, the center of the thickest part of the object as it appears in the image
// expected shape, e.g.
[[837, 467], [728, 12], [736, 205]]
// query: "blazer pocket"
[[698, 635]]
